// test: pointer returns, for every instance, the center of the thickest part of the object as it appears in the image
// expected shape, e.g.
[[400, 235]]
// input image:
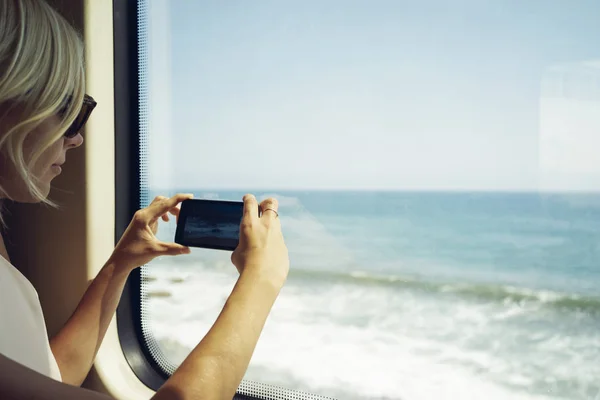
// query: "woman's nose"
[[74, 142]]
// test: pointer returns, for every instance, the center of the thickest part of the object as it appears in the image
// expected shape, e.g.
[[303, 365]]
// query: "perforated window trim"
[[264, 391], [247, 388]]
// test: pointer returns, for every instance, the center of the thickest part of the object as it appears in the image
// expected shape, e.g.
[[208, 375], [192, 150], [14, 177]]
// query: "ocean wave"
[[483, 292]]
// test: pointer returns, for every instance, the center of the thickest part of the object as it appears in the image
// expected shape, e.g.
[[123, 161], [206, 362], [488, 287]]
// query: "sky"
[[373, 95]]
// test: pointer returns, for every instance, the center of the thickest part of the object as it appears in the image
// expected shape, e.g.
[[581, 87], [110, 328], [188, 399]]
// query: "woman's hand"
[[139, 245], [261, 249]]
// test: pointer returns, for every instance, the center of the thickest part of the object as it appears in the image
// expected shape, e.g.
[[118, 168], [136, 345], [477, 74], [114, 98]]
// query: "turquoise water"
[[415, 295]]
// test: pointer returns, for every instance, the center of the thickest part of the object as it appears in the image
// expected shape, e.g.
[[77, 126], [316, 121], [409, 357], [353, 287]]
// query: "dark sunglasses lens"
[[80, 121], [71, 132]]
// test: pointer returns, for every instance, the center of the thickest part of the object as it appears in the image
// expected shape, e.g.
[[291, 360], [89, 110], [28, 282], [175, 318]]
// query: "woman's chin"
[[44, 190]]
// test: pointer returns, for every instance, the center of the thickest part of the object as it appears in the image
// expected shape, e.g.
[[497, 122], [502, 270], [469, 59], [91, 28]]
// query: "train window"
[[438, 171]]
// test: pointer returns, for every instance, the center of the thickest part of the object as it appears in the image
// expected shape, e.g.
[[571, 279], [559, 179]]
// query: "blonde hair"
[[41, 64]]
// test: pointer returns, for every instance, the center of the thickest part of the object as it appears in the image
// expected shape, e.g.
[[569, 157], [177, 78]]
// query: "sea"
[[409, 295]]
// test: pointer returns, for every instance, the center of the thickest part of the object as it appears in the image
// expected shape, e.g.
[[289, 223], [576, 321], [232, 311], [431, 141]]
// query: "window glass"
[[437, 165]]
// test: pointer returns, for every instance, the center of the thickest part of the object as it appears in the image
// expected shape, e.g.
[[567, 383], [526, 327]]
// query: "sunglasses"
[[86, 109]]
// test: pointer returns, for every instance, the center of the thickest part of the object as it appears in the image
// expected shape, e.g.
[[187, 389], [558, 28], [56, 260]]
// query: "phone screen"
[[213, 224]]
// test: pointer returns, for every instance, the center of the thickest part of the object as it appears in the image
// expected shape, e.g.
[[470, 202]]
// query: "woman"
[[42, 110]]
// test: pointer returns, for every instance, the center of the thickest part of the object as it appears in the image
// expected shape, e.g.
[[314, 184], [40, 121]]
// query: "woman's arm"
[[217, 365], [75, 346]]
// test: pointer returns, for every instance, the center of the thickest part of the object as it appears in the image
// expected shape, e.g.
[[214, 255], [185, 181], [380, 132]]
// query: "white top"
[[23, 335]]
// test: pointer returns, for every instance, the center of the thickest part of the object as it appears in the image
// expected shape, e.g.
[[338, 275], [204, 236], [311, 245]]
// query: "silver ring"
[[270, 209]]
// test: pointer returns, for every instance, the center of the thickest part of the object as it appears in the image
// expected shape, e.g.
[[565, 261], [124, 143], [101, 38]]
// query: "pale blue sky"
[[374, 94]]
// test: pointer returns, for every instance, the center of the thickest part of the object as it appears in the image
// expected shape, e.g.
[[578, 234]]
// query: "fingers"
[[269, 208], [250, 208], [157, 199], [162, 205], [173, 211], [171, 249]]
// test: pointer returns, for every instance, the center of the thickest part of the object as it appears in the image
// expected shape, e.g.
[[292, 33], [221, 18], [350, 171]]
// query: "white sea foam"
[[367, 342]]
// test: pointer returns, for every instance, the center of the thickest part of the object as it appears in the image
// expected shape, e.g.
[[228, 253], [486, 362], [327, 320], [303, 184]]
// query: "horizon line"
[[389, 190]]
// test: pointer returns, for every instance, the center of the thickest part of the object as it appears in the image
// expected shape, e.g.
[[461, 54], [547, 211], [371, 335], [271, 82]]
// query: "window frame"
[[135, 348], [127, 169]]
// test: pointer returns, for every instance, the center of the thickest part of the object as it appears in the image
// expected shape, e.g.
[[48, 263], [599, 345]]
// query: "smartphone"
[[209, 224]]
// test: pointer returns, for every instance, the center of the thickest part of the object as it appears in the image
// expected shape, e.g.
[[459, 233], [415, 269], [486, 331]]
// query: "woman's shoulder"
[[12, 281], [24, 337]]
